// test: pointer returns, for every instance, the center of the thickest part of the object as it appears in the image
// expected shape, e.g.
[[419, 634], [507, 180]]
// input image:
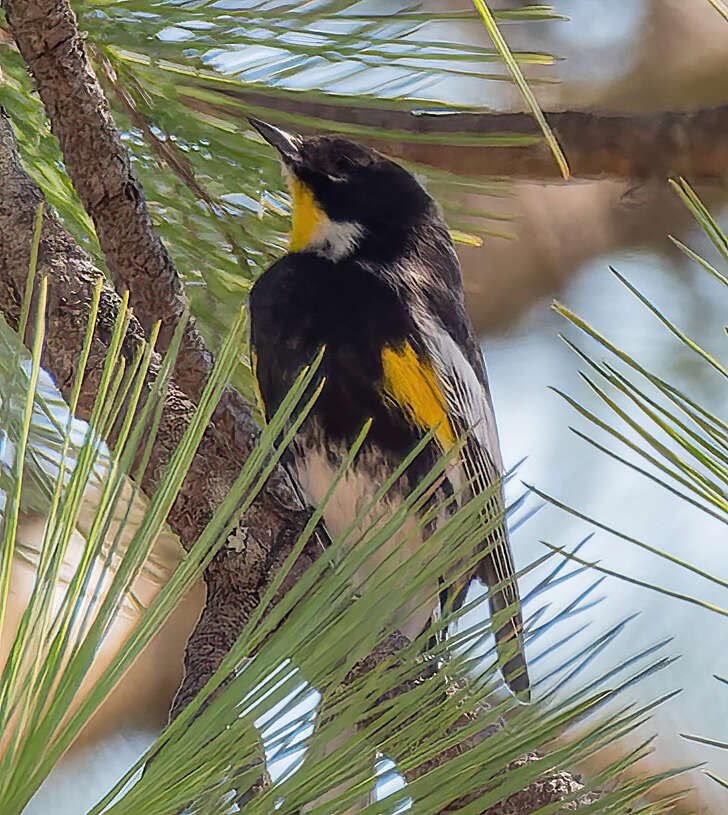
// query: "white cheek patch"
[[335, 240]]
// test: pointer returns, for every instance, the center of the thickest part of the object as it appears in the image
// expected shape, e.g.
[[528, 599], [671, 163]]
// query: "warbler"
[[372, 276]]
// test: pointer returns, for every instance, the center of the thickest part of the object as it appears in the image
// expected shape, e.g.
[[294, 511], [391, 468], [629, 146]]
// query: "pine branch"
[[101, 171], [597, 145], [98, 164]]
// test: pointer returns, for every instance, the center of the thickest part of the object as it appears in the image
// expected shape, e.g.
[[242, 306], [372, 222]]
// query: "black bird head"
[[345, 195]]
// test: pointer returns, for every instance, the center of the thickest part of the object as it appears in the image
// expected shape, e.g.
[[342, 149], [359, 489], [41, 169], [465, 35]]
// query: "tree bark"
[[100, 168]]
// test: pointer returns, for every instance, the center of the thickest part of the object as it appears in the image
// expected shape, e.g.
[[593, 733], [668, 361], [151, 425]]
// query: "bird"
[[371, 276]]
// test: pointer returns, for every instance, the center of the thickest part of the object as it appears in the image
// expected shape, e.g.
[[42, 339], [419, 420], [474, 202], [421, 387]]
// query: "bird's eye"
[[342, 161], [341, 168]]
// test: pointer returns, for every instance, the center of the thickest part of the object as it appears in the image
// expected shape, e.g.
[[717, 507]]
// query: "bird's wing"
[[470, 412]]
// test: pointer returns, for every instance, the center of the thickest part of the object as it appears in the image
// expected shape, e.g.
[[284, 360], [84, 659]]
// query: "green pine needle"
[[502, 46]]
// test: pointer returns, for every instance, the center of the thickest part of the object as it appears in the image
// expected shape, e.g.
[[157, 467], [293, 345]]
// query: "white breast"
[[335, 240], [315, 472]]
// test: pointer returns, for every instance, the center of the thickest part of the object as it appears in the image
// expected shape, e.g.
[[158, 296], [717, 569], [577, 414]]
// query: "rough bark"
[[99, 166], [597, 145]]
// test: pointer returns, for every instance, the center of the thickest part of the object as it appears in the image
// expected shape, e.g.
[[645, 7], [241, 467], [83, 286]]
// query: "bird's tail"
[[506, 615], [509, 644], [497, 571]]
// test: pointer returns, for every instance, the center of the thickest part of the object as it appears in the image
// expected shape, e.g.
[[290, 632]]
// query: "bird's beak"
[[287, 144]]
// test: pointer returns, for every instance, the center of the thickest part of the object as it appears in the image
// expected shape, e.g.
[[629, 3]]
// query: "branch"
[[100, 168], [549, 789], [637, 146]]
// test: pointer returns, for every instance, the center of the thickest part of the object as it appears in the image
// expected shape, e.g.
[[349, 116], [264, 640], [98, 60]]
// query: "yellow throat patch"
[[307, 215], [411, 384]]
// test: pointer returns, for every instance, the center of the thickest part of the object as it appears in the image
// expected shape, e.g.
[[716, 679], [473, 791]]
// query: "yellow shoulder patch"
[[411, 384], [307, 214]]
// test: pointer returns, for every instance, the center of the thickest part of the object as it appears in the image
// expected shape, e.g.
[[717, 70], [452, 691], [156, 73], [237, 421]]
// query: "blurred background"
[[618, 55]]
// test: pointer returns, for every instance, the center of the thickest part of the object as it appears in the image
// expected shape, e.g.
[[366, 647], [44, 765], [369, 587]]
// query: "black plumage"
[[377, 270]]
